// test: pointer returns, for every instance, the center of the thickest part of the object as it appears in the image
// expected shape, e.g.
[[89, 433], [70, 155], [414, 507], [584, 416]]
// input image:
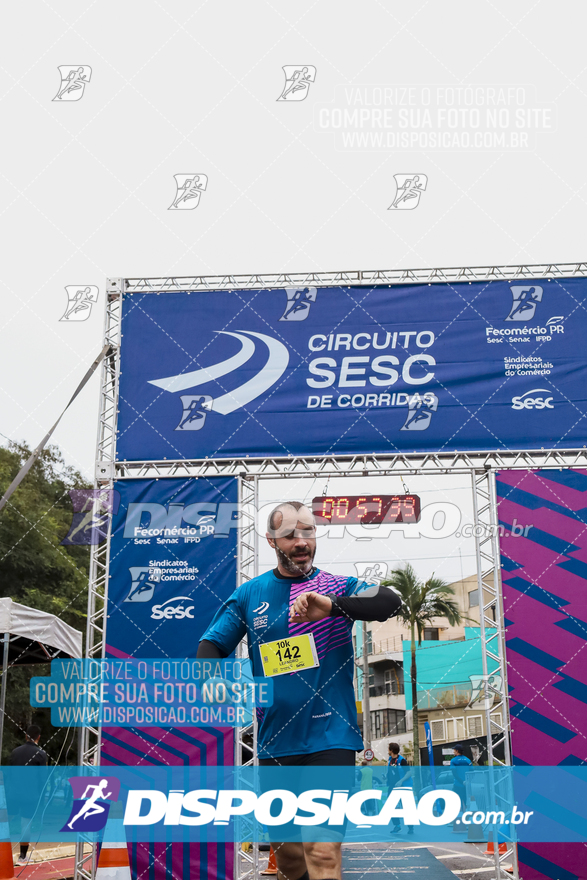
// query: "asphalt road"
[[405, 861]]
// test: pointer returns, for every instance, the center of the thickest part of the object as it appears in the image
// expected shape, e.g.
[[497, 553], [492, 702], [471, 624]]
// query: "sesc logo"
[[526, 402], [197, 406], [173, 612]]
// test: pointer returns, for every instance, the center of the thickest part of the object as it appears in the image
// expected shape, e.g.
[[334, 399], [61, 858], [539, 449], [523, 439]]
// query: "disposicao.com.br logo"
[[280, 807], [320, 806]]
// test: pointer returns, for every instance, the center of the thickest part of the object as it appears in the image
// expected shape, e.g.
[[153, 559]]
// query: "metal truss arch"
[[480, 466], [279, 280]]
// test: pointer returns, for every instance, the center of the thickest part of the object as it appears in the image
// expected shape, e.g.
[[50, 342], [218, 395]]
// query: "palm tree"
[[420, 603]]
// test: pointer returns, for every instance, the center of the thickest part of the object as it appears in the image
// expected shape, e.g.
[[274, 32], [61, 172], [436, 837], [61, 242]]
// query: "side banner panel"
[[353, 370], [544, 573], [172, 564]]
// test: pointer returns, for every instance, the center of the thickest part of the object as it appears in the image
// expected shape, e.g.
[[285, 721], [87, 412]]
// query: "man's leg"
[[323, 860], [291, 864]]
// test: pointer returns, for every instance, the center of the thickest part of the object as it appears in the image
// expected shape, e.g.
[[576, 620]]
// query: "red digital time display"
[[366, 509]]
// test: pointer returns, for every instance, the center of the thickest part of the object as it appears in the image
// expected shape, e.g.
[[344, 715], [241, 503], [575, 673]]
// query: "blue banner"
[[172, 564], [338, 370], [208, 804]]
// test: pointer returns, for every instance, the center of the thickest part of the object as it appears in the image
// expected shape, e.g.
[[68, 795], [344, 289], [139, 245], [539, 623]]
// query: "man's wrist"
[[335, 610]]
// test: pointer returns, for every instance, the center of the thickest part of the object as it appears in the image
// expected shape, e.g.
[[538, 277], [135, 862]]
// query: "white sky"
[[177, 87]]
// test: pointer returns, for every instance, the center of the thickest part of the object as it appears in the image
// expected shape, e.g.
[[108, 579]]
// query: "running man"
[[527, 300], [191, 189], [410, 190], [74, 80], [90, 807], [80, 303], [313, 719], [300, 302], [299, 80], [96, 512]]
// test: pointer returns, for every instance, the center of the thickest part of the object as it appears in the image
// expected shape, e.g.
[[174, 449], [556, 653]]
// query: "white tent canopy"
[[38, 627], [32, 636]]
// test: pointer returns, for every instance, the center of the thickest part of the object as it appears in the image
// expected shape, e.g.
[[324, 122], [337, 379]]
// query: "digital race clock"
[[366, 509]]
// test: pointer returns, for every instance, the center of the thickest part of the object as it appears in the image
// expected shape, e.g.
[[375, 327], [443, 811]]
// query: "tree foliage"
[[36, 570], [421, 602]]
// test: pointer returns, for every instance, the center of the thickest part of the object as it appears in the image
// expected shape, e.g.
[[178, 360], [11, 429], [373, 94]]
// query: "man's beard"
[[292, 567]]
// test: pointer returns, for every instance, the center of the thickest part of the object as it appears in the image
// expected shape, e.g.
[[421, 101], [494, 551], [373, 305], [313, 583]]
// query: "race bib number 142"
[[289, 655]]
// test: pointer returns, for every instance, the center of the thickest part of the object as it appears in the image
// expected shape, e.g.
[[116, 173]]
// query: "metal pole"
[[481, 590], [366, 704], [5, 646], [485, 520], [500, 623]]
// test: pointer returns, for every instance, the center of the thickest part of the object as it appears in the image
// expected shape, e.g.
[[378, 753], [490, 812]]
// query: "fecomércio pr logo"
[[91, 797]]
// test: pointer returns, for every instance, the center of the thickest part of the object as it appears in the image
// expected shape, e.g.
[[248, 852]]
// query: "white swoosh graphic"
[[199, 377], [268, 376], [232, 400]]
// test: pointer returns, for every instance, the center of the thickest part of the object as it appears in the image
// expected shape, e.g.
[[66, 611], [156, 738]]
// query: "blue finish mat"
[[388, 863]]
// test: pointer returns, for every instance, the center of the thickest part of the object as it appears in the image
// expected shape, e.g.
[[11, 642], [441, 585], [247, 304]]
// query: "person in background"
[[29, 754], [398, 775], [367, 784], [460, 763]]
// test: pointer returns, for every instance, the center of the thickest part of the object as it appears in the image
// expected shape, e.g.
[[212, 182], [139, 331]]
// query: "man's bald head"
[[291, 531], [284, 518]]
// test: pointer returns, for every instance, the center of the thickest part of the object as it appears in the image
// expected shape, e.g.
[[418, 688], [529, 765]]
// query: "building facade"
[[445, 705]]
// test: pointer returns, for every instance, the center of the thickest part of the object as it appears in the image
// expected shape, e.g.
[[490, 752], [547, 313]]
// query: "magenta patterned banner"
[[544, 575]]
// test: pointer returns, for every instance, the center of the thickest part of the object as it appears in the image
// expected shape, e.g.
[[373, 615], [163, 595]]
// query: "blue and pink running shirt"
[[313, 709]]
